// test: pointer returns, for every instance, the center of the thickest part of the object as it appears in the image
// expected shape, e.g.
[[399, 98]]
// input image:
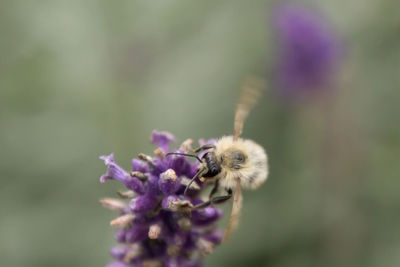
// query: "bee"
[[233, 162]]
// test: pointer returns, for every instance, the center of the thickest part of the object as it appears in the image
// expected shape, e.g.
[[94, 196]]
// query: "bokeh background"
[[79, 79]]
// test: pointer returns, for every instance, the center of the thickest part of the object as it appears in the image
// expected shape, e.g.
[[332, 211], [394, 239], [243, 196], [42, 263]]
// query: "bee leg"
[[214, 200], [204, 147], [199, 173], [214, 190], [221, 199]]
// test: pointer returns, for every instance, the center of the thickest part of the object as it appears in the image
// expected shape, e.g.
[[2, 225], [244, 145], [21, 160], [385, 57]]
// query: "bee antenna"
[[183, 154]]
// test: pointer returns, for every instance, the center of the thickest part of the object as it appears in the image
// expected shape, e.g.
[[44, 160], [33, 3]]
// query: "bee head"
[[213, 164]]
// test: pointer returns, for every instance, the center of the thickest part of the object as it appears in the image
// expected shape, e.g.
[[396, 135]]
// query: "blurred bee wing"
[[249, 95], [236, 211]]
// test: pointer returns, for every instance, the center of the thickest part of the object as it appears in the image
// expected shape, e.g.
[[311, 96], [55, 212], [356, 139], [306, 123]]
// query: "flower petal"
[[169, 182], [139, 165], [114, 171], [143, 203], [118, 252], [162, 139], [136, 233], [206, 216], [117, 264]]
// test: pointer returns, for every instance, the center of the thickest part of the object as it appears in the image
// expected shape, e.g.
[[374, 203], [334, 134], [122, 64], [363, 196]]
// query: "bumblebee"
[[233, 162]]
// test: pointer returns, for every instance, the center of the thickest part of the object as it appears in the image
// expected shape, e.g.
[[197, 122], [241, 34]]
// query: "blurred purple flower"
[[308, 52], [157, 226]]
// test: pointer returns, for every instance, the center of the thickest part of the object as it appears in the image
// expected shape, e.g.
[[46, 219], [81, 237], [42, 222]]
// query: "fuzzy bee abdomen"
[[256, 173]]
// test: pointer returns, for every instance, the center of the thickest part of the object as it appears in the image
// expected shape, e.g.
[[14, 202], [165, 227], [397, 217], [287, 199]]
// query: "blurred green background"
[[79, 79]]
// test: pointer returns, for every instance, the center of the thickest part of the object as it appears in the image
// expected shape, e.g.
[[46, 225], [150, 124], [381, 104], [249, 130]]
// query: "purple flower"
[[115, 172], [119, 252], [162, 139], [117, 264], [169, 182], [308, 51], [206, 215], [157, 224]]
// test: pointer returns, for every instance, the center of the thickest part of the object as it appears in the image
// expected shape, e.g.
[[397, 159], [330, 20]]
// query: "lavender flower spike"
[[157, 224], [308, 51]]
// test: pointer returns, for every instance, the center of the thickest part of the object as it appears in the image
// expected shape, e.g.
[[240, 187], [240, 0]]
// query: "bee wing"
[[236, 211], [249, 95]]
